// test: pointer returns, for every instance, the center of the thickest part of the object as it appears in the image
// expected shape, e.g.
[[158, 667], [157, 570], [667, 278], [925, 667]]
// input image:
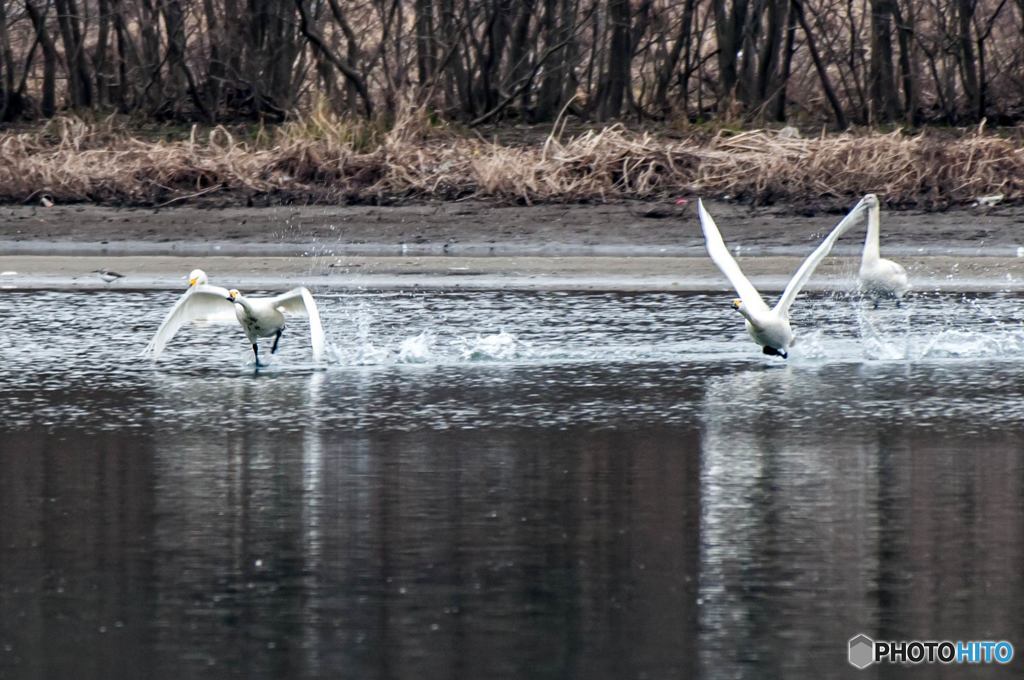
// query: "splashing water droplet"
[[416, 350]]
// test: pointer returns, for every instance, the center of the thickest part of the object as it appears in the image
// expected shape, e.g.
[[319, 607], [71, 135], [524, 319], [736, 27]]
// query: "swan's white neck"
[[871, 252], [244, 303], [746, 315]]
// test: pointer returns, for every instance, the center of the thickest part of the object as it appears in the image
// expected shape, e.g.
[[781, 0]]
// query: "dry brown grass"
[[320, 159]]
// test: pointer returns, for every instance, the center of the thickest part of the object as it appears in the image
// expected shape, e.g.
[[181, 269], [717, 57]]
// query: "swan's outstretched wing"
[[198, 302], [300, 301], [810, 264], [721, 256]]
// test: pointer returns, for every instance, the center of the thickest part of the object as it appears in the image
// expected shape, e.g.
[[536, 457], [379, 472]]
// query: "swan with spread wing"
[[769, 327], [259, 317]]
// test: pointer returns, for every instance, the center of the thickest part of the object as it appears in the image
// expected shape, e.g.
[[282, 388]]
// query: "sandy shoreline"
[[936, 273], [481, 245]]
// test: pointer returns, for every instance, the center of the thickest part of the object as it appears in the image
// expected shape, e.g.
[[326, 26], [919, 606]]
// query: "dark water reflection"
[[405, 555], [543, 518]]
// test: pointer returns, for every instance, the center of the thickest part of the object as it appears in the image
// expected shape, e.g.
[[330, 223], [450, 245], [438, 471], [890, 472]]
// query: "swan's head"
[[233, 295], [870, 201], [738, 305], [197, 277]]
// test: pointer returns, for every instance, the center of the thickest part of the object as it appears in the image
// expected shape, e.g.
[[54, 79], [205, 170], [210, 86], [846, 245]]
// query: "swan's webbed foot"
[[277, 339], [772, 352]]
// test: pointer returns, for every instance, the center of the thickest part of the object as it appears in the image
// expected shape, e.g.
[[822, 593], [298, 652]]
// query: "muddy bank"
[[481, 228]]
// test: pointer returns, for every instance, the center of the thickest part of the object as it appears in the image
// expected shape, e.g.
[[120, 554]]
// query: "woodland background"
[[834, 62]]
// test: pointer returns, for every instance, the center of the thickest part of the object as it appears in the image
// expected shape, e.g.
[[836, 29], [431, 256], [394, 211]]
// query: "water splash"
[[417, 349], [884, 337], [907, 334], [501, 346]]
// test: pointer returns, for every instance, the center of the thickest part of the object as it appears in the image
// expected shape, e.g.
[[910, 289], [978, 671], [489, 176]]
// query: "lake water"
[[507, 485]]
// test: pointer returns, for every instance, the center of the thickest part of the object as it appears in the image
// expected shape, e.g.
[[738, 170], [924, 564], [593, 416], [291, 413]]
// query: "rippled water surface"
[[506, 485]]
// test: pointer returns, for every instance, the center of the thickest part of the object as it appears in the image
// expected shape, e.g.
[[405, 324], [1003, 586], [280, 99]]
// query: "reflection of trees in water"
[[510, 551], [814, 530], [464, 553]]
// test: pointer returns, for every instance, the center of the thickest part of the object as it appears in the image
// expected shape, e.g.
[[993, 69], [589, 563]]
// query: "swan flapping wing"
[[811, 263], [300, 301], [721, 256], [198, 302]]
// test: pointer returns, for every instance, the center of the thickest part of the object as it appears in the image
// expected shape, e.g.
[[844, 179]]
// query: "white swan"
[[197, 277], [879, 277], [259, 317], [768, 327]]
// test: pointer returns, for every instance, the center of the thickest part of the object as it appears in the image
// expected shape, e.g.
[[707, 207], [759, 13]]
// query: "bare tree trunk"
[[746, 60], [150, 61], [457, 90], [779, 105], [353, 55], [620, 55], [498, 27], [768, 58], [346, 69], [49, 98], [882, 86], [640, 23], [729, 30], [982, 38], [965, 56], [668, 69], [216, 72], [519, 53], [175, 59], [908, 68], [75, 56], [826, 84], [126, 54], [9, 108], [100, 60], [426, 53], [549, 99], [856, 58], [568, 57]]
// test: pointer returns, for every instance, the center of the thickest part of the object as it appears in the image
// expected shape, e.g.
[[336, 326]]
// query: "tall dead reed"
[[324, 159]]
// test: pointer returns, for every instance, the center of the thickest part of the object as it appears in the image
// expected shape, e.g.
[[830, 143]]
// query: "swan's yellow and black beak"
[[232, 294], [737, 303], [192, 281]]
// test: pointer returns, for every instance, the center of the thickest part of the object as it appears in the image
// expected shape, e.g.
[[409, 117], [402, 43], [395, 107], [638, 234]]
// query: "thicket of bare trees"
[[479, 61]]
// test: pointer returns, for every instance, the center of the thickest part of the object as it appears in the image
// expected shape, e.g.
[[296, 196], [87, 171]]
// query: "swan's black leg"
[[277, 339], [772, 352], [875, 301], [256, 353]]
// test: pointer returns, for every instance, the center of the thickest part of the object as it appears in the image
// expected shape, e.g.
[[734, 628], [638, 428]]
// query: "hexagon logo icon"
[[862, 651]]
